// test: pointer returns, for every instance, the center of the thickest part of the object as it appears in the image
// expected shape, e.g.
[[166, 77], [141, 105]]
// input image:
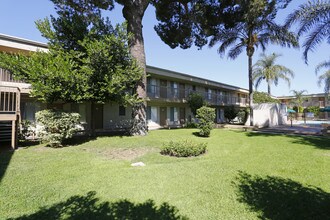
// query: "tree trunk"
[[250, 89], [268, 87], [133, 12]]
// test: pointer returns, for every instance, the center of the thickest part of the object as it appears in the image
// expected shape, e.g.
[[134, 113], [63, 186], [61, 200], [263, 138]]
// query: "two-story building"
[[167, 93]]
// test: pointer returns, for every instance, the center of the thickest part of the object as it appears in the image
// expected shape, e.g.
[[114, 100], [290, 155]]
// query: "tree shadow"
[[279, 198], [89, 207], [6, 153], [196, 133], [315, 141]]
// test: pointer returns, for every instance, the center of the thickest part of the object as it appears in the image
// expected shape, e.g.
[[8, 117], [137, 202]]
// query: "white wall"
[[268, 115]]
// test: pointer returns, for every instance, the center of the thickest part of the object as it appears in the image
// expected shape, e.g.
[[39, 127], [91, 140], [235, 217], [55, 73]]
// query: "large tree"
[[251, 24], [325, 77], [133, 12], [313, 19], [95, 66], [267, 69]]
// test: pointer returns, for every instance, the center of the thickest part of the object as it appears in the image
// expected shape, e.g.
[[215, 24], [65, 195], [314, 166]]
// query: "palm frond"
[[315, 38]]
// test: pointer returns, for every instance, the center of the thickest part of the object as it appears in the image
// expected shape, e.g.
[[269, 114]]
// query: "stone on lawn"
[[138, 164]]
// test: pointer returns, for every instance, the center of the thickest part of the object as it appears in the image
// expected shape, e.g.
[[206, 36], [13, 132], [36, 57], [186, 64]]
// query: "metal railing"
[[320, 104], [180, 95]]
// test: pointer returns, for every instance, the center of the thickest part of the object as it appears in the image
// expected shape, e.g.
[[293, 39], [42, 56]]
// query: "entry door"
[[182, 90], [98, 116], [163, 88], [163, 116], [182, 115]]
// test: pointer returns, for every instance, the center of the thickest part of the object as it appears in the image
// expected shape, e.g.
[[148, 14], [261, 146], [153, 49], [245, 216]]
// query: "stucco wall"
[[268, 115]]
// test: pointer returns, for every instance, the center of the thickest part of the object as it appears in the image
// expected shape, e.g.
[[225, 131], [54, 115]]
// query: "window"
[[148, 112], [194, 88], [209, 93], [173, 114], [174, 89], [122, 110]]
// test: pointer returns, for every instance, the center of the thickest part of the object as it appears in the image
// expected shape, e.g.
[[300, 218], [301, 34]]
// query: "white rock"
[[138, 164]]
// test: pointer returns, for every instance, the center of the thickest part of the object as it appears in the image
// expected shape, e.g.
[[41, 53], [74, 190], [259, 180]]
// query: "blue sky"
[[17, 18]]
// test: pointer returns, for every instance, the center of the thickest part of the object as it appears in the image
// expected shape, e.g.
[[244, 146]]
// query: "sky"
[[17, 18]]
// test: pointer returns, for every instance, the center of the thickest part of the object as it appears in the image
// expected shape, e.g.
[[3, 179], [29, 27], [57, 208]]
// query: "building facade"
[[167, 93]]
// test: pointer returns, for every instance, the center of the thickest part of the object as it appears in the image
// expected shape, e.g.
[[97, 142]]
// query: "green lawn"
[[242, 176]]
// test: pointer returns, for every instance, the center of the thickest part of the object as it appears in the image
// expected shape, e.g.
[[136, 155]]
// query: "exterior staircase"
[[5, 133]]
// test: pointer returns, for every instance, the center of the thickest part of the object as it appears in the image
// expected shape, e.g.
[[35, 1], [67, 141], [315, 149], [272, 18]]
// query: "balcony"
[[6, 76], [9, 103], [160, 93], [320, 104]]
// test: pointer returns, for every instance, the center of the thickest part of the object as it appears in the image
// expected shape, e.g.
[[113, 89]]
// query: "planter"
[[299, 116]]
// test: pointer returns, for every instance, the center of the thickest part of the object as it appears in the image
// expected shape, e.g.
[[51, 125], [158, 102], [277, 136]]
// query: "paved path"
[[283, 129], [295, 129]]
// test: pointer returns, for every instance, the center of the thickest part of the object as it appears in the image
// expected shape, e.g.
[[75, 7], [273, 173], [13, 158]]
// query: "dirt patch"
[[126, 153]]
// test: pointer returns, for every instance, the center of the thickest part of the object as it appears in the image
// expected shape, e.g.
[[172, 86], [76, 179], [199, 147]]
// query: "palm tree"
[[313, 19], [299, 98], [266, 69], [256, 29], [325, 77]]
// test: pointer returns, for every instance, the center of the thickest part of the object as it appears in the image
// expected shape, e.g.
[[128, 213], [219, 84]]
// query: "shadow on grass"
[[279, 198], [196, 133], [6, 153], [315, 141], [89, 207]]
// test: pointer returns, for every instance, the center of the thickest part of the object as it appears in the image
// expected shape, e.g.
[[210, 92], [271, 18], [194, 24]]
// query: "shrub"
[[195, 101], [314, 109], [185, 148], [230, 112], [56, 126], [262, 97], [242, 115], [26, 129], [191, 125], [206, 116]]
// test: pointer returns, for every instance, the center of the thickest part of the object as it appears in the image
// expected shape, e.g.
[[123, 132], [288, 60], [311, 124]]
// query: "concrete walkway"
[[282, 129]]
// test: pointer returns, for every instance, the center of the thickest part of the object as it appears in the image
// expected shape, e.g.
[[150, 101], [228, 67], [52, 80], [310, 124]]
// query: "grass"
[[242, 176]]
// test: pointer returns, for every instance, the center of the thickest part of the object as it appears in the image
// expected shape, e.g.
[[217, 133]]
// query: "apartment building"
[[167, 93], [319, 100]]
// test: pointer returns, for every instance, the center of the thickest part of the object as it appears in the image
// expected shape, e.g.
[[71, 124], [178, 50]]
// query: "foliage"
[[298, 109], [262, 97], [102, 71], [241, 26], [314, 109], [230, 112], [242, 115], [195, 101], [266, 69], [191, 125], [186, 148], [299, 99], [325, 77], [75, 21], [56, 126], [26, 129], [313, 18], [206, 116]]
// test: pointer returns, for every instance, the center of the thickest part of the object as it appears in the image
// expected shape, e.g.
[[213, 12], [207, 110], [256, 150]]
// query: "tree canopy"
[[234, 25], [325, 77], [313, 19], [88, 59], [267, 69], [102, 71]]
